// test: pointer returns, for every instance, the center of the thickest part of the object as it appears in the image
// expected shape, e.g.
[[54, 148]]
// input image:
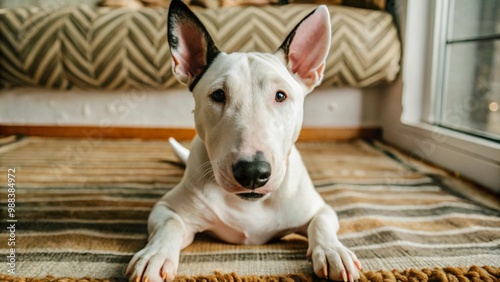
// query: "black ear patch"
[[285, 46], [180, 17]]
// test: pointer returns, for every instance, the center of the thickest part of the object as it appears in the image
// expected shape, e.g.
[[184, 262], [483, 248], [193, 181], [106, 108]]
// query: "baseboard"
[[307, 134], [312, 134]]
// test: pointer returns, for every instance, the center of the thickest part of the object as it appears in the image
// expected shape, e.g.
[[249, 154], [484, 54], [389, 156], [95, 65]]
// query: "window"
[[467, 95], [419, 113]]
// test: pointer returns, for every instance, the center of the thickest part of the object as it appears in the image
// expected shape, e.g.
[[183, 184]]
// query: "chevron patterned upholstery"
[[104, 48]]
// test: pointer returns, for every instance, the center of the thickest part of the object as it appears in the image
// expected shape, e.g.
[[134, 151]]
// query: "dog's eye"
[[280, 96], [218, 96]]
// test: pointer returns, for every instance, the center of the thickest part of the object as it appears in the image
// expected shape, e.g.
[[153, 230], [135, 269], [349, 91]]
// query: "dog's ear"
[[307, 46], [191, 46]]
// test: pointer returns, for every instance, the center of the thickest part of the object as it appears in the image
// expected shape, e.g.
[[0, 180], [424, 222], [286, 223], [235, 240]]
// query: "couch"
[[85, 48]]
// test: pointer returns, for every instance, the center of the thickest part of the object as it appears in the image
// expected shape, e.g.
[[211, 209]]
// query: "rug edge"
[[445, 274]]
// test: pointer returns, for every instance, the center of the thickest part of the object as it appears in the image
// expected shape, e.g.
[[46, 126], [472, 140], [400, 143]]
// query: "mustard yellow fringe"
[[446, 274]]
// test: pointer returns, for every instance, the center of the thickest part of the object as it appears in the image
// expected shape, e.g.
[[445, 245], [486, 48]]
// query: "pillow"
[[367, 4], [142, 3]]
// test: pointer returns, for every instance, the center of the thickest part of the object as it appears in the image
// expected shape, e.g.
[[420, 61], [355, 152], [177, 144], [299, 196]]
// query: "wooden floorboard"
[[307, 134]]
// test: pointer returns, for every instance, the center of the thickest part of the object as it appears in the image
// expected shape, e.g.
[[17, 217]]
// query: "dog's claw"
[[335, 263], [350, 277], [168, 270], [343, 275], [358, 264], [145, 279]]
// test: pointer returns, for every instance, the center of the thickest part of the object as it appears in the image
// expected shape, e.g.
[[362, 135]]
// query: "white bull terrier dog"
[[245, 182]]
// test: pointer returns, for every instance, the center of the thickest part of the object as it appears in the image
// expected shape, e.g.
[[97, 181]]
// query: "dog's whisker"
[[206, 170]]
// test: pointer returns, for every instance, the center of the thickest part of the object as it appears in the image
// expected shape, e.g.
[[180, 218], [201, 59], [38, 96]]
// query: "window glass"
[[471, 82]]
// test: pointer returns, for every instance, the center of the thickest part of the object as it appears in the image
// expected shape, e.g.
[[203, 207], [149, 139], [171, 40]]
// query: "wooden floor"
[[93, 132]]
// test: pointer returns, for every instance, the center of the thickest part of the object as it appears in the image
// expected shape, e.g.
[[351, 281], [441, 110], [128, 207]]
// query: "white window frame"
[[407, 103]]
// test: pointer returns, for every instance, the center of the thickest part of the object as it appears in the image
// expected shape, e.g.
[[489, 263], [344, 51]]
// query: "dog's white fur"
[[250, 120]]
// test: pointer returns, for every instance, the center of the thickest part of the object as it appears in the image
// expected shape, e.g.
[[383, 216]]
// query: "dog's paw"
[[334, 262], [150, 265]]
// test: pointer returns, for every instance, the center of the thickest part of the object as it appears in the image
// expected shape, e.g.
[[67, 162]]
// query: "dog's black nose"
[[252, 174]]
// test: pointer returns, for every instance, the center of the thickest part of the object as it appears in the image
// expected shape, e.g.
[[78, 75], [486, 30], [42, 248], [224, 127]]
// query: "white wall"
[[332, 107]]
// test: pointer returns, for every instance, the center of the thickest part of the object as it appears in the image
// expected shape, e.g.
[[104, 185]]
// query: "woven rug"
[[82, 205]]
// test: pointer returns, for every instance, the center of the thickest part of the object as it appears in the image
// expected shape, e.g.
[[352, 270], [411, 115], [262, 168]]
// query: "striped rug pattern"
[[82, 206], [105, 48]]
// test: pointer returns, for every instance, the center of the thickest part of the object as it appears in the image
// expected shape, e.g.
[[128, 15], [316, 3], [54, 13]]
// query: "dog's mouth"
[[251, 196]]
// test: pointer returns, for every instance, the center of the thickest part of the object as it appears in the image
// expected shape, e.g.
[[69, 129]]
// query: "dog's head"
[[248, 106]]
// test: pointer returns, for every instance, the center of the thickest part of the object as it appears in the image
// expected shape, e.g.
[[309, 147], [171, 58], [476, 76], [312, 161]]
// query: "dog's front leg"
[[330, 258], [159, 259]]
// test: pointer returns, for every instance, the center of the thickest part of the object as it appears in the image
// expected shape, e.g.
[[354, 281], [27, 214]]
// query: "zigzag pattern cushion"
[[104, 48]]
